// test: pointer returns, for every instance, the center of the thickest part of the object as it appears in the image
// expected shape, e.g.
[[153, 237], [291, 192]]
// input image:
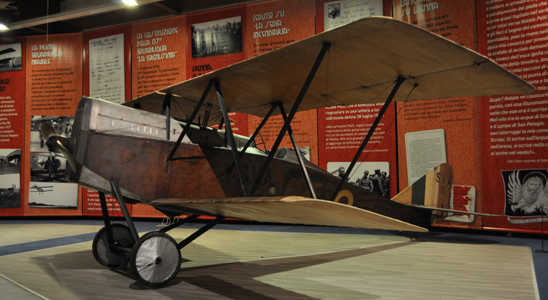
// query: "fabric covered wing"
[[291, 210], [365, 59]]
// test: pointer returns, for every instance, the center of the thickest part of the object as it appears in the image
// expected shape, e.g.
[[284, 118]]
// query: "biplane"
[[41, 189], [9, 62], [160, 150]]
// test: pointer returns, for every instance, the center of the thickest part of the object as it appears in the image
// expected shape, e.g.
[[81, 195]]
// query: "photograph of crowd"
[[217, 37], [372, 176]]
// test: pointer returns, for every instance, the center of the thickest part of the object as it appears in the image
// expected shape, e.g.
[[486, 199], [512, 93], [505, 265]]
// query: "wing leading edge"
[[365, 59], [291, 210]]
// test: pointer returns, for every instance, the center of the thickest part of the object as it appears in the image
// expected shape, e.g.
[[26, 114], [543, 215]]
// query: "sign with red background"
[[159, 60], [12, 124], [342, 129], [514, 127], [272, 25], [217, 39], [159, 55], [457, 117], [53, 89]]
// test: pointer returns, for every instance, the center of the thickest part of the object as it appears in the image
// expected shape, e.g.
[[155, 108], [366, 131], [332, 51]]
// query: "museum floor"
[[46, 259]]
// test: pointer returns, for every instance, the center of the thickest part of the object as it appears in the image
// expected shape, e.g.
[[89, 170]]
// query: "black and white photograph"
[[47, 167], [10, 57], [62, 125], [333, 10], [372, 176], [10, 178], [526, 192], [217, 37], [338, 13], [48, 186], [53, 195]]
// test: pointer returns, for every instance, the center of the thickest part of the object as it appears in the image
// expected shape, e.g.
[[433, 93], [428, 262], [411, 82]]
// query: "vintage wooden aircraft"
[[160, 155]]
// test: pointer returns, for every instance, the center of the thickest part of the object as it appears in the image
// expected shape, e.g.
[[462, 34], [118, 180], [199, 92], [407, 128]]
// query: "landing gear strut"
[[155, 258]]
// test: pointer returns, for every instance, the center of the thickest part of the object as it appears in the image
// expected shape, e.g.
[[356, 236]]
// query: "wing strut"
[[298, 153], [265, 119], [399, 81], [293, 141], [230, 136], [166, 107], [188, 123], [294, 109]]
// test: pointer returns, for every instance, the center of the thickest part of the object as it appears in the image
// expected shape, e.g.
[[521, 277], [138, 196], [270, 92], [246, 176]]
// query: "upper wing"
[[365, 59], [6, 51], [291, 209]]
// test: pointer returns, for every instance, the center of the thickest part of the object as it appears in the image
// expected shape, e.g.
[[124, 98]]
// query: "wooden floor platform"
[[258, 262]]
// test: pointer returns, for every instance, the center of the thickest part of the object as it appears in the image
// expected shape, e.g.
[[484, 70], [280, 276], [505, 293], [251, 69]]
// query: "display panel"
[[12, 126], [514, 128], [274, 24], [159, 55], [54, 86], [509, 145], [458, 118], [159, 60], [341, 129], [216, 39]]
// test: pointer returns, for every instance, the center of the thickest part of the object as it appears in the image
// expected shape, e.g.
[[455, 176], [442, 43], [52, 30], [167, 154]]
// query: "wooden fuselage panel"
[[139, 165]]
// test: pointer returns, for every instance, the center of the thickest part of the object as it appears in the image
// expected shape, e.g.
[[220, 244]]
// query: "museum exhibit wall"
[[496, 145]]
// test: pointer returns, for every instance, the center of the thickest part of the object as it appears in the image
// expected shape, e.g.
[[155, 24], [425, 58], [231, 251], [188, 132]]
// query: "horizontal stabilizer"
[[292, 210]]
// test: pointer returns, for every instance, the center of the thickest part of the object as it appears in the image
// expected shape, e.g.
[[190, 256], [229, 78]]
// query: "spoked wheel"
[[155, 259], [101, 248]]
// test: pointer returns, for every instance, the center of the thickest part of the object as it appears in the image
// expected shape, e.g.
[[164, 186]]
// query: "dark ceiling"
[[40, 17]]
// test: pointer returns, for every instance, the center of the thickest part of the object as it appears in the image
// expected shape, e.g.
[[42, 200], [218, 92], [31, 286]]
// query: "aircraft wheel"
[[101, 249], [155, 259]]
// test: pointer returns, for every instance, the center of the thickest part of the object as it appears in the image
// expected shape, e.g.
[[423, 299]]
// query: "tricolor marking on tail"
[[431, 190]]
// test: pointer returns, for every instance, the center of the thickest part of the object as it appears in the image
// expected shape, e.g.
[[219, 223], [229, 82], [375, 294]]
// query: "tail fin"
[[432, 190]]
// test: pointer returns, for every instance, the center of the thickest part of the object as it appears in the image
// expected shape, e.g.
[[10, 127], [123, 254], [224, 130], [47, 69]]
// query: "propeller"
[[56, 142]]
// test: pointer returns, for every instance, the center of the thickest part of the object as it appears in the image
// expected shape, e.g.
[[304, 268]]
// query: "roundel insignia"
[[345, 197]]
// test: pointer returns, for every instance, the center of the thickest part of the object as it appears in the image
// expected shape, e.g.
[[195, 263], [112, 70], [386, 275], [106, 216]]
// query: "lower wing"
[[291, 210]]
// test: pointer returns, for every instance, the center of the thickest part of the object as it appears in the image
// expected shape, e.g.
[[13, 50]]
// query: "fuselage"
[[129, 146]]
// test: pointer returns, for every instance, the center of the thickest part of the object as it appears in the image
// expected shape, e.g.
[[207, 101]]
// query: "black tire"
[[101, 249], [155, 259]]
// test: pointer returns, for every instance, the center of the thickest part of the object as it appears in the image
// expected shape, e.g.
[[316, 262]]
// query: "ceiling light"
[[3, 27], [130, 2]]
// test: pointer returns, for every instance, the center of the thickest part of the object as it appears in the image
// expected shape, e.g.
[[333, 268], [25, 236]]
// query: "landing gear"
[[110, 256], [155, 259]]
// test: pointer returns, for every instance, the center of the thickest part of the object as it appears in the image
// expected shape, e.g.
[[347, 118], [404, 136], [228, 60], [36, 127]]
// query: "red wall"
[[495, 144]]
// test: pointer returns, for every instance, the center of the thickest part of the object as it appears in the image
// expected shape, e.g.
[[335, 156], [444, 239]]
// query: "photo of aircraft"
[[152, 150], [11, 61], [41, 189]]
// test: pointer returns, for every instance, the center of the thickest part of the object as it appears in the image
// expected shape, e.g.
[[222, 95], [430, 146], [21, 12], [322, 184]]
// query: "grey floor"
[[53, 260]]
